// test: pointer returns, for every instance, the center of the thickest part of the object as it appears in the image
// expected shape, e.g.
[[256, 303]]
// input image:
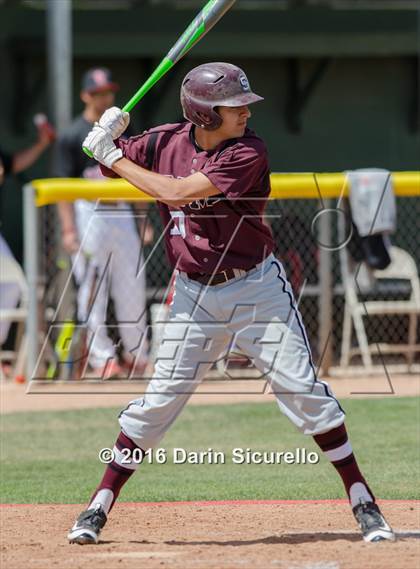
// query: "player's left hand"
[[101, 145], [115, 121]]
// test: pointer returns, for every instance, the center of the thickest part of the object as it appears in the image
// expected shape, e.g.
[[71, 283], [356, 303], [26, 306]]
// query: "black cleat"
[[88, 526], [372, 523]]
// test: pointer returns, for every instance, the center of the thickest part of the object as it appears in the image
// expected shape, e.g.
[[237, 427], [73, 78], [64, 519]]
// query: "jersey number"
[[178, 228]]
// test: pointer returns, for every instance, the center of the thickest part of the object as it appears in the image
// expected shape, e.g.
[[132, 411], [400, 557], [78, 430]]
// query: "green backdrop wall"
[[362, 111]]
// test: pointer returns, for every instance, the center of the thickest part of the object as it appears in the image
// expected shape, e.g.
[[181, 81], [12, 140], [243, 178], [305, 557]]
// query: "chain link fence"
[[297, 246]]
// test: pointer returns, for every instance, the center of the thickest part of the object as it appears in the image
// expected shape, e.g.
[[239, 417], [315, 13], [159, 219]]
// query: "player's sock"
[[338, 450], [116, 474]]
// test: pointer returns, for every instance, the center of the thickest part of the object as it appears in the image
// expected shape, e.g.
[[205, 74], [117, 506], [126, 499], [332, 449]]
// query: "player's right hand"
[[115, 121], [70, 241]]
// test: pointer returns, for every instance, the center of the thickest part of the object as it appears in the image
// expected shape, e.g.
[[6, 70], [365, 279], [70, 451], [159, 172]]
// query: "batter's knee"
[[312, 413]]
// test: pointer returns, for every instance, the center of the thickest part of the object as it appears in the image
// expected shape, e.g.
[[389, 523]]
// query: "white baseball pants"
[[111, 264], [258, 314]]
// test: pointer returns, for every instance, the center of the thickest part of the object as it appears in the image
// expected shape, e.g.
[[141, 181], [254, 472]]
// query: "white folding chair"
[[401, 268], [12, 273]]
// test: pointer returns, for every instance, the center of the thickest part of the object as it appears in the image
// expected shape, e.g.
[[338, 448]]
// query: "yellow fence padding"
[[283, 186]]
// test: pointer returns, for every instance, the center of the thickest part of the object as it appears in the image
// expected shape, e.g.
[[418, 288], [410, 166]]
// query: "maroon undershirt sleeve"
[[236, 172]]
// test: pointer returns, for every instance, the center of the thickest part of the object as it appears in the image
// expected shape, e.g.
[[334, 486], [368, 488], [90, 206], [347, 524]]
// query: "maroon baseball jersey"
[[223, 231]]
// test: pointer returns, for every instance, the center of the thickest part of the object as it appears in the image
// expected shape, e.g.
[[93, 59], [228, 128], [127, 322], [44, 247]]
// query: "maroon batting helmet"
[[211, 85]]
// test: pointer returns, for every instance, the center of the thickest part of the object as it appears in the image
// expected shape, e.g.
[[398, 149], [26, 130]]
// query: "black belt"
[[217, 278]]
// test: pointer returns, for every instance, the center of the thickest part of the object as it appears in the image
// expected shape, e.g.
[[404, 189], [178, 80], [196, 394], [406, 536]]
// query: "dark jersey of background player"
[[5, 166], [23, 159], [216, 233], [70, 162]]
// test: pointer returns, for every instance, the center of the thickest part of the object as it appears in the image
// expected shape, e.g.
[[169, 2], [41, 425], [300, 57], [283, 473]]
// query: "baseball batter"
[[210, 177]]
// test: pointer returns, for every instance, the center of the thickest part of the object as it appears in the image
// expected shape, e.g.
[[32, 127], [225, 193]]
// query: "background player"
[[112, 235], [211, 180]]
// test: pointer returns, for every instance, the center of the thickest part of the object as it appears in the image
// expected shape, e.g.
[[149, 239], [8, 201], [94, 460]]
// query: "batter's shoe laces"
[[88, 526], [371, 522]]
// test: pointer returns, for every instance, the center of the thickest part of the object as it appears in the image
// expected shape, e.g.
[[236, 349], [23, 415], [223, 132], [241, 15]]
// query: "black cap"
[[98, 79]]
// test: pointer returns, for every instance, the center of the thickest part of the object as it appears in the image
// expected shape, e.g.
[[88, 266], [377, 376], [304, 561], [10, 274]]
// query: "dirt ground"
[[225, 535], [41, 396], [290, 535]]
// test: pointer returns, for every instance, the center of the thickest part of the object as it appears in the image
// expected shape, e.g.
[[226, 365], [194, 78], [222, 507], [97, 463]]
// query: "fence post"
[[60, 60], [30, 213], [325, 306]]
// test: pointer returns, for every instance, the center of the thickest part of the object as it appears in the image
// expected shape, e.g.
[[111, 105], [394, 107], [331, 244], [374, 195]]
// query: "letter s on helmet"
[[211, 85]]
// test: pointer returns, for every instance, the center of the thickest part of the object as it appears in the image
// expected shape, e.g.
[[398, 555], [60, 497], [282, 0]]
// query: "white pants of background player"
[[258, 314], [111, 264]]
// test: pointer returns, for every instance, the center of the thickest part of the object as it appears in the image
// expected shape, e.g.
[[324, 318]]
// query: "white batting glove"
[[101, 145], [115, 121]]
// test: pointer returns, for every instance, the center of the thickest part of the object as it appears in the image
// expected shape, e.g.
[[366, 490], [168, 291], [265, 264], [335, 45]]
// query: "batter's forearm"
[[174, 192], [171, 191], [162, 188]]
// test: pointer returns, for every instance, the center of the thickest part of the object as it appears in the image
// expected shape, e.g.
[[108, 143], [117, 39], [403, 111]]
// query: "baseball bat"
[[202, 23]]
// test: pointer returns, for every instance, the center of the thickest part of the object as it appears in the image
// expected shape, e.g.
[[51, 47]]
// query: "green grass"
[[52, 457]]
